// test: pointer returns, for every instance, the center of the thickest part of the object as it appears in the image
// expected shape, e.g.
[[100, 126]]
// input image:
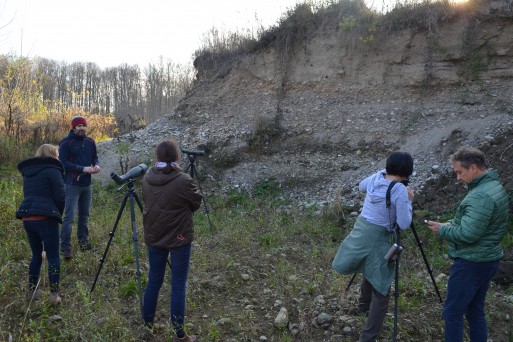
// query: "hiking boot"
[[67, 253], [186, 338], [85, 246], [55, 299]]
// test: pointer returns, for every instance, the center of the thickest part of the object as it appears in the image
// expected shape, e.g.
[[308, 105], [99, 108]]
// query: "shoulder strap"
[[389, 190]]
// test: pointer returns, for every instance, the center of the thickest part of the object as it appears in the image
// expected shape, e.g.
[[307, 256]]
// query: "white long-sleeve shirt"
[[374, 206]]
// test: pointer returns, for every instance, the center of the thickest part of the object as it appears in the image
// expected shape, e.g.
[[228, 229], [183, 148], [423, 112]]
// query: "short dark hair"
[[400, 164], [468, 156]]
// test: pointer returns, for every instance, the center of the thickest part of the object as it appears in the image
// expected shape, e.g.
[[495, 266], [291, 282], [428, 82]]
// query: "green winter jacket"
[[480, 222]]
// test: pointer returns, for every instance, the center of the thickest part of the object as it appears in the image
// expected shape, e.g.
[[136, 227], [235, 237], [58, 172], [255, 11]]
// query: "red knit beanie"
[[77, 120]]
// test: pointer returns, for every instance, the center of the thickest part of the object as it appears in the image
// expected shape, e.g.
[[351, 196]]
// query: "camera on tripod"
[[135, 172], [394, 252]]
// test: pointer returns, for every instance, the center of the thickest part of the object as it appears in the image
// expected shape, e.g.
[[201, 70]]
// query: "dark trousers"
[[376, 305], [179, 270], [44, 233], [466, 293]]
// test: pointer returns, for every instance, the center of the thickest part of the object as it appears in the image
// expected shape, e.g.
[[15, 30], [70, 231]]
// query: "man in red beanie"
[[77, 152]]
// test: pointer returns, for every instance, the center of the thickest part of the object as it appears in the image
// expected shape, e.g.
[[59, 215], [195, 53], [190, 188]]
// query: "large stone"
[[282, 319], [324, 318]]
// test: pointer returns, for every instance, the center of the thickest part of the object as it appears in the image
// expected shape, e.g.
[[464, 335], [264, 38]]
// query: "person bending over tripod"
[[363, 250], [40, 211], [170, 197], [474, 239]]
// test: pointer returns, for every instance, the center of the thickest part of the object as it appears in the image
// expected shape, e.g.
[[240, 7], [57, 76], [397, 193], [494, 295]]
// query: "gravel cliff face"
[[327, 115]]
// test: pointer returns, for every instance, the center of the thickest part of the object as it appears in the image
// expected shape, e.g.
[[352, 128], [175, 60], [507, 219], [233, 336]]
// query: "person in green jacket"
[[474, 238]]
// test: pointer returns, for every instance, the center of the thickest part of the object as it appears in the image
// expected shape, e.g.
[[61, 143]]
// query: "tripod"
[[396, 281], [194, 174], [430, 270], [396, 286], [130, 193]]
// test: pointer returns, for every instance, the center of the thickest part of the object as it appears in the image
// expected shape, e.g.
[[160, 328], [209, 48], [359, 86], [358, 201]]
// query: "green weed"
[[267, 189], [287, 256], [128, 289]]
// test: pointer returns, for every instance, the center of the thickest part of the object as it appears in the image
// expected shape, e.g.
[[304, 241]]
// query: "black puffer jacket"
[[43, 188], [169, 201]]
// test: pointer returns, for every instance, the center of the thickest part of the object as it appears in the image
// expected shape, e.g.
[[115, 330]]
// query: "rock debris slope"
[[330, 114]]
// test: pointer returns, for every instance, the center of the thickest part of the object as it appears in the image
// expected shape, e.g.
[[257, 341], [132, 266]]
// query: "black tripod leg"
[[396, 298], [194, 175], [351, 281], [396, 288], [136, 248], [139, 204], [111, 235], [419, 243]]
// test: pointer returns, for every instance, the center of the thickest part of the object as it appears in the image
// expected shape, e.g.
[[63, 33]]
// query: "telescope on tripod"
[[131, 175], [128, 180], [192, 169]]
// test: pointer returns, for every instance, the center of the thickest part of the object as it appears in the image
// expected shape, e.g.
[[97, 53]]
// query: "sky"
[[112, 32]]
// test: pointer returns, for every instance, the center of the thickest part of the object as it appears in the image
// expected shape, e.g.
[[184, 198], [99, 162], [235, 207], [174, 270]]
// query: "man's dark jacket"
[[43, 188], [169, 202], [75, 153]]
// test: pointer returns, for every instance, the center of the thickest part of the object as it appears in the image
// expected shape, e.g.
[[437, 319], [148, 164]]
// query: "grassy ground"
[[259, 255]]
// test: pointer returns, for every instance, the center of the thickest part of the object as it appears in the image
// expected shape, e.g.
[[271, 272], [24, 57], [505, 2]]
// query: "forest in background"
[[39, 96]]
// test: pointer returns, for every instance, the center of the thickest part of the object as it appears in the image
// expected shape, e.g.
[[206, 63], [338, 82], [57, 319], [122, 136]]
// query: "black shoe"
[[67, 253], [86, 246]]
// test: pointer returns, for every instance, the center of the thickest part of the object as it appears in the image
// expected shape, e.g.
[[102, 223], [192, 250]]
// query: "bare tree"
[[92, 86], [18, 94], [127, 94], [154, 90], [178, 81], [76, 81], [63, 96], [47, 72]]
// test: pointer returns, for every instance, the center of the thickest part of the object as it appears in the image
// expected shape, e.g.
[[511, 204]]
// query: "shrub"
[[265, 131]]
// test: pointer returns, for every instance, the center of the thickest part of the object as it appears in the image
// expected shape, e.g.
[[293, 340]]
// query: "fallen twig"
[[504, 152]]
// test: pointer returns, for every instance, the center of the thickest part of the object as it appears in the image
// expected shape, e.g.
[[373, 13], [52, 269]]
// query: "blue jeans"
[[44, 233], [179, 269], [81, 197], [466, 293]]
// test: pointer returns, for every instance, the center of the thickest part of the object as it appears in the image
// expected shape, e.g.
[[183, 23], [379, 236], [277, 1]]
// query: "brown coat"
[[169, 202]]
